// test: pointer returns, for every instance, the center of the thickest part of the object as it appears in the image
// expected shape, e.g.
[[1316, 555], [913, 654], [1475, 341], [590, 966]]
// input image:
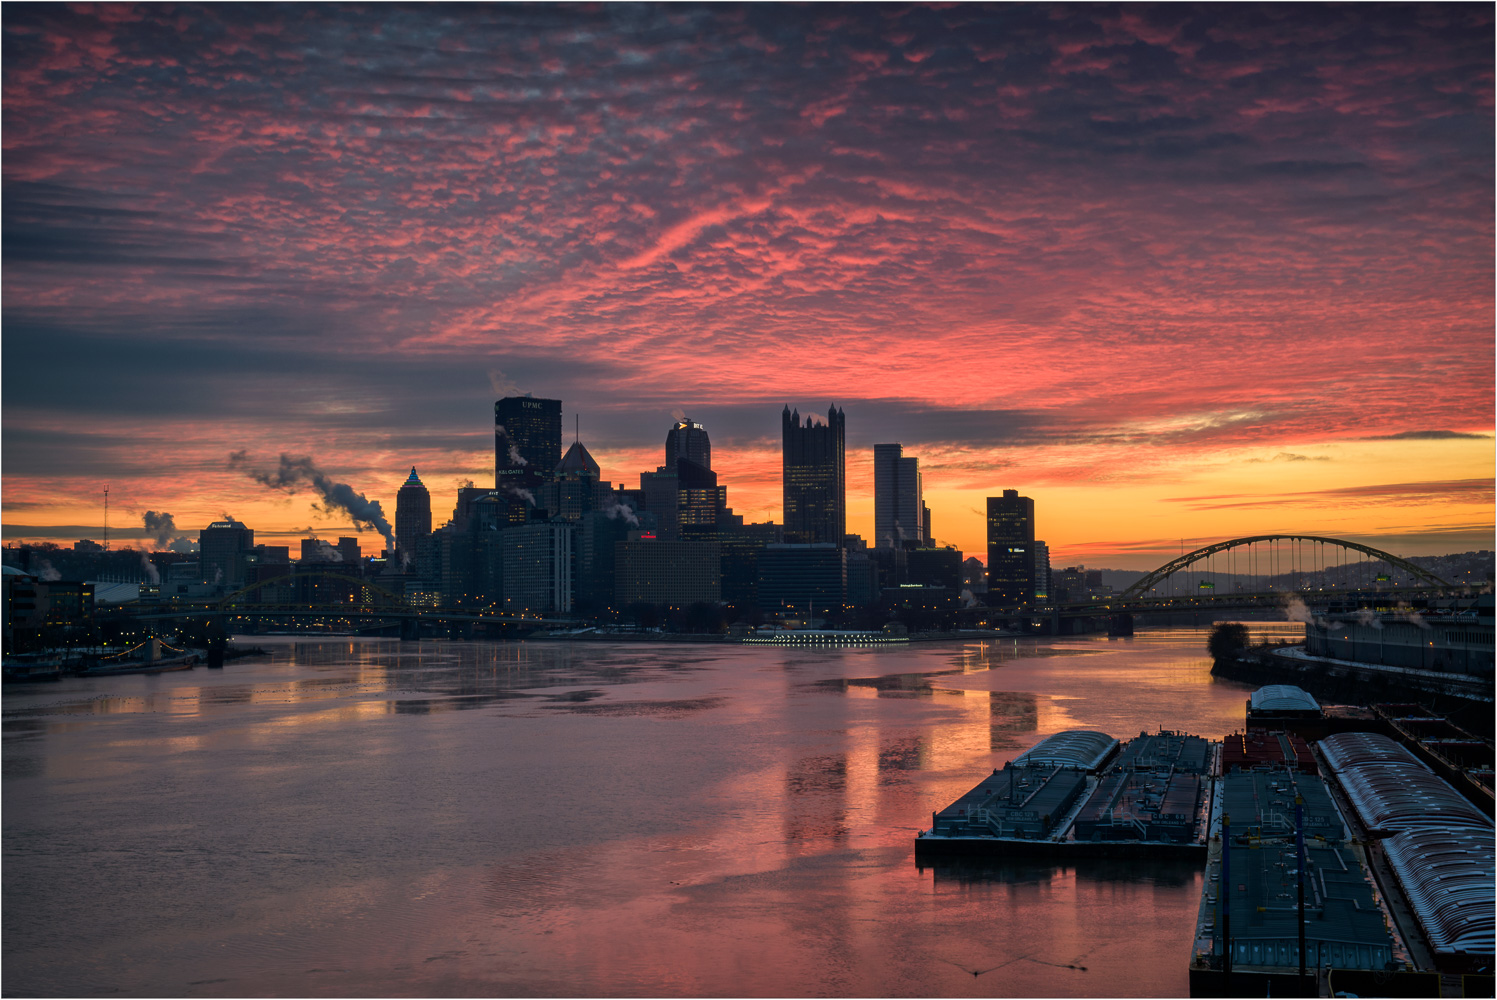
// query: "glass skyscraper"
[[814, 478], [688, 439], [412, 517], [1011, 550], [898, 506], [527, 439]]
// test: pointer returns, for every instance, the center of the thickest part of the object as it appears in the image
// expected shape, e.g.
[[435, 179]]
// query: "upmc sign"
[[529, 405]]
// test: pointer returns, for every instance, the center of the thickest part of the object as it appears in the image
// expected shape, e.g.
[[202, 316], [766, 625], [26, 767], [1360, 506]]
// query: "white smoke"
[[159, 526], [292, 473], [515, 458], [1296, 610], [1405, 613], [968, 601], [47, 572], [501, 384], [1366, 617], [152, 573], [183, 544], [678, 415], [617, 510], [327, 552]]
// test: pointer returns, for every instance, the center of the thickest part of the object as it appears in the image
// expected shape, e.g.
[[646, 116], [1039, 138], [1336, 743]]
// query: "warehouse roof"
[[1282, 698], [1081, 749]]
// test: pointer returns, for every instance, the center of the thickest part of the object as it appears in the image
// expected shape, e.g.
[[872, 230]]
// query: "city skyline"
[[1177, 274]]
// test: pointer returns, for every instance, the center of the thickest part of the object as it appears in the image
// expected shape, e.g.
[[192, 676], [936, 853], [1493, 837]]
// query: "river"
[[350, 817]]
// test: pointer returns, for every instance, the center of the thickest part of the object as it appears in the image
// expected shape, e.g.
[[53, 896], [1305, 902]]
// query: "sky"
[[1178, 273]]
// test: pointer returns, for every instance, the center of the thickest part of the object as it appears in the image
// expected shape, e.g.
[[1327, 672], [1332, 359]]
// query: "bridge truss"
[[1303, 559]]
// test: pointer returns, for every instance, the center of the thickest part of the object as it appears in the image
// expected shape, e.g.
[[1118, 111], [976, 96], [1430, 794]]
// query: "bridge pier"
[[1120, 624], [218, 640], [410, 629]]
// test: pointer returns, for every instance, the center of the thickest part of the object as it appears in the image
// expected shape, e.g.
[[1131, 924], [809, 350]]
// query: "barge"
[[1081, 793]]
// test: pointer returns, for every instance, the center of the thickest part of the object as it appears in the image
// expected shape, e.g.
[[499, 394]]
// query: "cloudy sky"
[[1180, 274]]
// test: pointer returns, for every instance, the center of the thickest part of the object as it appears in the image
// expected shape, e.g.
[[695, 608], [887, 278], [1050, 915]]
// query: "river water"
[[370, 817]]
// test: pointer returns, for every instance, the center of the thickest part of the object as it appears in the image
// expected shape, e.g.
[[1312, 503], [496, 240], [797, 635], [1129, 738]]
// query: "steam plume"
[[515, 458], [160, 527], [518, 491], [1297, 611], [145, 560], [1408, 614], [293, 473], [616, 510], [502, 384]]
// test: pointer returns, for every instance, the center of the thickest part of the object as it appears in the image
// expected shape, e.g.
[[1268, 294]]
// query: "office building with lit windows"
[[1011, 552], [527, 440], [537, 574], [814, 478]]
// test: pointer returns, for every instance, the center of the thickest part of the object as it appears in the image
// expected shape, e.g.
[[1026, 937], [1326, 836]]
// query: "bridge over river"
[[1256, 573]]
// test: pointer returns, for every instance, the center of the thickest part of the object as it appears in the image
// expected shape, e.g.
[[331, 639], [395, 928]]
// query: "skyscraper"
[[898, 506], [814, 478], [688, 439], [1011, 562], [225, 549], [527, 440], [412, 516]]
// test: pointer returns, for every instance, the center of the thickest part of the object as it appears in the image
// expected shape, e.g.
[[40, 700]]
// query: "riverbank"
[[970, 635], [1466, 701]]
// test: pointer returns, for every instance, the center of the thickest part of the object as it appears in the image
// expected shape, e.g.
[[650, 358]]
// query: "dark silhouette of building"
[[899, 513], [650, 570], [578, 486], [1010, 550], [814, 478], [527, 440], [226, 550], [412, 517], [688, 439], [803, 580]]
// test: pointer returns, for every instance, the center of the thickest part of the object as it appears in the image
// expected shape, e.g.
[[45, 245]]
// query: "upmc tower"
[[815, 478], [527, 439]]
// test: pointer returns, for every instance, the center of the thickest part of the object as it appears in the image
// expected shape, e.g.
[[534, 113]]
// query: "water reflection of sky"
[[537, 818]]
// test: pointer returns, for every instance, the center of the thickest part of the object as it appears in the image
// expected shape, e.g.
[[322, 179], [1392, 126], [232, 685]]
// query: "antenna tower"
[[106, 518]]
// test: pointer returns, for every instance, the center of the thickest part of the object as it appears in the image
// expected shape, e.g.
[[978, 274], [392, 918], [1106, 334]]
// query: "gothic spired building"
[[815, 478], [527, 440]]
